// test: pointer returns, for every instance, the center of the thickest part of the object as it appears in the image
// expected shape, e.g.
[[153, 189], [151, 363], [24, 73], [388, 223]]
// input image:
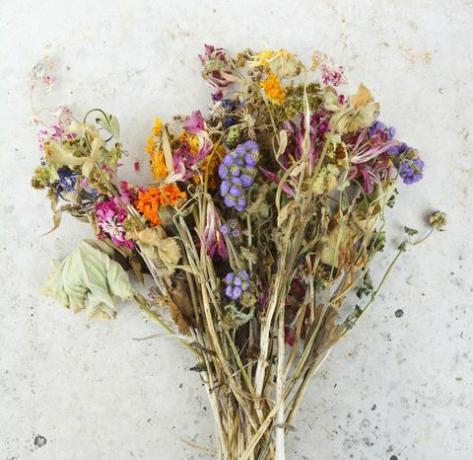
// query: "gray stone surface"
[[399, 387]]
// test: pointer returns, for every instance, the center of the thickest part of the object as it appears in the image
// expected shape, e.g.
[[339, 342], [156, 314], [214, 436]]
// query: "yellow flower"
[[273, 88], [263, 58], [158, 127], [158, 165], [209, 167], [150, 145], [192, 140]]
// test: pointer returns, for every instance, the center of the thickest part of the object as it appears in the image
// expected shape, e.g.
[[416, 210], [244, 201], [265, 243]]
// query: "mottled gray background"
[[399, 387]]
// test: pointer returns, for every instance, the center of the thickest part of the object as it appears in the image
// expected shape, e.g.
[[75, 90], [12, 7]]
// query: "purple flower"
[[67, 180], [230, 229], [411, 170], [397, 149], [236, 284]]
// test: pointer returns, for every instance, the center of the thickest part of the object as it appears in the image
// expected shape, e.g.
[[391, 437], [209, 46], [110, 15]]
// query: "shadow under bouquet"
[[258, 229]]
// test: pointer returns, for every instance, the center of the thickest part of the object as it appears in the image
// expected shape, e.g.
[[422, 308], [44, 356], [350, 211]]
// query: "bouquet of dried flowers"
[[260, 225]]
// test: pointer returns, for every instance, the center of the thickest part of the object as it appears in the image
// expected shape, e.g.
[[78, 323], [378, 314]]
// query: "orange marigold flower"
[[148, 204], [158, 165], [149, 200], [274, 90], [171, 195]]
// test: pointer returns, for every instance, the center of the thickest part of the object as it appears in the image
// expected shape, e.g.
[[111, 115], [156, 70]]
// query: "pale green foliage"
[[88, 279]]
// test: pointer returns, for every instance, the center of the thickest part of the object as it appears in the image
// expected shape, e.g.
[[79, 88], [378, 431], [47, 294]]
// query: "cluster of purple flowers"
[[408, 163], [237, 172], [237, 283], [406, 159]]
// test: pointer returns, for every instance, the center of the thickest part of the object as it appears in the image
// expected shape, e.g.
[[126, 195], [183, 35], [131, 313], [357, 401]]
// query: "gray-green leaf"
[[89, 279]]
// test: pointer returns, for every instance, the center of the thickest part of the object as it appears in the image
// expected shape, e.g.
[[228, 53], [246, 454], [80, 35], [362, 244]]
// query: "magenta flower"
[[110, 218], [333, 77]]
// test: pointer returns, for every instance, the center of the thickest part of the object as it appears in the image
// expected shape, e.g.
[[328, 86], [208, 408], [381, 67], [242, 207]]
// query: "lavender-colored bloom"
[[247, 181], [250, 160], [241, 204], [235, 190], [411, 170], [228, 160], [222, 171], [229, 201], [230, 229], [397, 149], [237, 283]]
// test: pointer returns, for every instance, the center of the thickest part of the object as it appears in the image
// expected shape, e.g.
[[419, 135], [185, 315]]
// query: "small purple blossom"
[[236, 284], [397, 149], [411, 170], [230, 229], [67, 180]]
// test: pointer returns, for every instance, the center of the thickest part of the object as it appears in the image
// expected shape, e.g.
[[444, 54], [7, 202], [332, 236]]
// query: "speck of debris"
[[373, 407], [148, 420], [180, 385], [40, 441], [393, 457], [399, 313]]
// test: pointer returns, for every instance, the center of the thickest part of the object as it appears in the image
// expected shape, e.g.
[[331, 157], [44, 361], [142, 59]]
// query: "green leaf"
[[88, 279]]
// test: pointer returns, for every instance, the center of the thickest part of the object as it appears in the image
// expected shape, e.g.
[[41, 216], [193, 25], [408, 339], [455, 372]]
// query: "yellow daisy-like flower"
[[273, 89], [158, 165]]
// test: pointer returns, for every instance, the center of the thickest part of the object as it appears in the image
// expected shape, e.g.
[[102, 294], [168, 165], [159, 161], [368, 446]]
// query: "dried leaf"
[[362, 97], [88, 279]]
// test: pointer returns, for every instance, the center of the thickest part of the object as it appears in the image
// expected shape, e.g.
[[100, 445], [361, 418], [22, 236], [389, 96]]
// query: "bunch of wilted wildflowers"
[[263, 218]]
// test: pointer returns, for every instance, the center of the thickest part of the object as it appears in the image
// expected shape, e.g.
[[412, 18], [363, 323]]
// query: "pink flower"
[[334, 77], [216, 68], [195, 124], [213, 237], [110, 218]]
